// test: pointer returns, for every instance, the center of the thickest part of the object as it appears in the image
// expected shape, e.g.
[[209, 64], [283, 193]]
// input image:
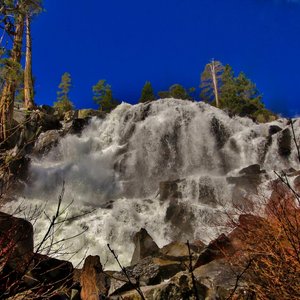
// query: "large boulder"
[[178, 251], [144, 246], [51, 272], [16, 243]]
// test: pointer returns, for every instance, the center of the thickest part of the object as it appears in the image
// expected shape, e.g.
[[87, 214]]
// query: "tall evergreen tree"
[[64, 103], [9, 87], [239, 94], [147, 93], [103, 96], [210, 82]]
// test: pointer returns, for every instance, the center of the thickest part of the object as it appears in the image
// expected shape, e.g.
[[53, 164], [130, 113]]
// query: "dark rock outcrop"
[[51, 271], [285, 143], [144, 246], [219, 131], [273, 129]]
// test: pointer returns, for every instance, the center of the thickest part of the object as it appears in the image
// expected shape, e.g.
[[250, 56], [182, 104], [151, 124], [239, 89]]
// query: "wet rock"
[[219, 131], [16, 242], [285, 143], [273, 129], [94, 283], [46, 141], [144, 246], [207, 193], [169, 189], [252, 169], [181, 218]]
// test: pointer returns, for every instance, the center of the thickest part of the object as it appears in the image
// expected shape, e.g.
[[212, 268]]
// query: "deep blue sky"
[[166, 42]]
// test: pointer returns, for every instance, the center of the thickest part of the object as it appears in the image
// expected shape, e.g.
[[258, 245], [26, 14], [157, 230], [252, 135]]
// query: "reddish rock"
[[94, 283]]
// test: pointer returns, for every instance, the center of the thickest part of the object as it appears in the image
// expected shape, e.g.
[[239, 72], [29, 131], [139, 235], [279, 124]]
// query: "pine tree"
[[103, 96], [177, 91], [9, 87], [210, 82], [64, 103], [147, 93]]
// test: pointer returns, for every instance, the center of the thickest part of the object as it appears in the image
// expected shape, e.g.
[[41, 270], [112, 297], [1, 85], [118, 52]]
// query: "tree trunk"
[[28, 81], [8, 92], [215, 83]]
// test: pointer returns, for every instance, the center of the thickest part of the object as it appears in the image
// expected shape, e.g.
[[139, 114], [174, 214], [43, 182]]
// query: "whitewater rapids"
[[112, 172]]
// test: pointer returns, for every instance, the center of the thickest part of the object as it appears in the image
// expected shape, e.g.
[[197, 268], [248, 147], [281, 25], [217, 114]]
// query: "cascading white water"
[[115, 166]]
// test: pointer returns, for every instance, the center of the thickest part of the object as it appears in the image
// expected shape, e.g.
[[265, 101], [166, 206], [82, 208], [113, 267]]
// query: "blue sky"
[[167, 42]]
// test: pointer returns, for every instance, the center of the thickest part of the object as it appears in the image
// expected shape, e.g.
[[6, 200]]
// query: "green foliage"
[[10, 71], [103, 96], [64, 103], [163, 94], [176, 91], [147, 93], [239, 94]]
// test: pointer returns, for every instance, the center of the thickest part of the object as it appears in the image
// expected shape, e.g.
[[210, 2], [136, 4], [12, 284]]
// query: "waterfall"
[[116, 168]]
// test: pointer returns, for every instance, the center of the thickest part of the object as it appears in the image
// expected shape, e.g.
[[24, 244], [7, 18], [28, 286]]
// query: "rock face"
[[46, 141], [144, 246], [285, 143], [94, 283]]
